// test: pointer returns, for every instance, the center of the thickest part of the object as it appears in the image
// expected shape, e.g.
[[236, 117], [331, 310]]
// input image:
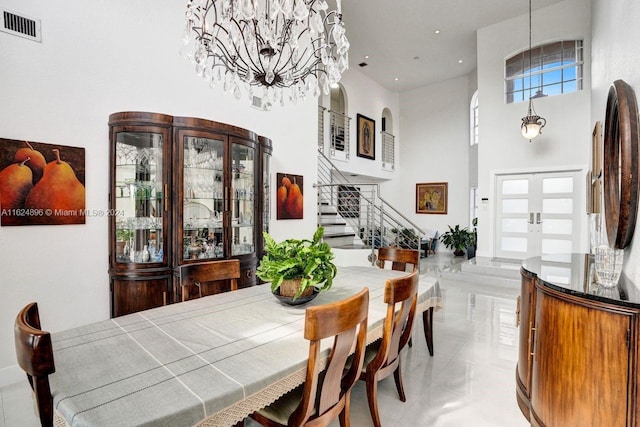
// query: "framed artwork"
[[289, 196], [41, 184], [594, 177], [349, 201], [432, 198], [366, 137]]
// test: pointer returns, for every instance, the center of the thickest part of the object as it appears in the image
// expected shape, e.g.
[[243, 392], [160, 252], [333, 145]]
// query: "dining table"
[[210, 361]]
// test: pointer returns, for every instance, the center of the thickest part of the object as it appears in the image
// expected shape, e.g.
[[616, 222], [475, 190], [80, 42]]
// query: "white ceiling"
[[398, 36]]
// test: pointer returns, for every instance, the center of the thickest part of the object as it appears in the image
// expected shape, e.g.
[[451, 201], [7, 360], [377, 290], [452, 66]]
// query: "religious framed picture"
[[366, 137], [432, 198]]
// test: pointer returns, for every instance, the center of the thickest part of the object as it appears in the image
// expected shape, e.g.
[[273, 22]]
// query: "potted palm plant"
[[297, 267], [457, 239]]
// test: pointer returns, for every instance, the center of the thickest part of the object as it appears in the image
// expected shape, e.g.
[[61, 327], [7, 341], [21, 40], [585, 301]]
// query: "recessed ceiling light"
[[459, 61], [396, 79], [366, 57], [436, 32]]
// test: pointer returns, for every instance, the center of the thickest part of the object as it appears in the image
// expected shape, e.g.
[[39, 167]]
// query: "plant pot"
[[298, 301], [289, 288], [471, 252], [458, 252]]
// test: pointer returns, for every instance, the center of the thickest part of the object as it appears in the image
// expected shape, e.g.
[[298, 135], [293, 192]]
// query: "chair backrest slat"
[[206, 276], [346, 321], [399, 258], [35, 356]]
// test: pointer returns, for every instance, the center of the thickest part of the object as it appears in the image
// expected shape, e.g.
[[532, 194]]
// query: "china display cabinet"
[[183, 190]]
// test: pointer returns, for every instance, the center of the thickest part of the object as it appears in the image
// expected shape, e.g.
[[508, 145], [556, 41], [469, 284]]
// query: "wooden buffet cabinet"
[[182, 190], [578, 349]]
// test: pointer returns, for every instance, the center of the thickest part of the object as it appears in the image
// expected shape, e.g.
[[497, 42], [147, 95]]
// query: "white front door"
[[537, 213]]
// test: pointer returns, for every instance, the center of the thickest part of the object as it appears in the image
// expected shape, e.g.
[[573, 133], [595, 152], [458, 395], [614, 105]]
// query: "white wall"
[[615, 56], [566, 140], [97, 58], [435, 148]]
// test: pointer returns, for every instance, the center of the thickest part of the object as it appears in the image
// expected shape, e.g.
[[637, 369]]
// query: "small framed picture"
[[431, 198], [366, 137], [289, 196]]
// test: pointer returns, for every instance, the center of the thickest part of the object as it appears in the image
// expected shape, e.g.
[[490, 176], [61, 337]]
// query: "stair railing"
[[375, 220]]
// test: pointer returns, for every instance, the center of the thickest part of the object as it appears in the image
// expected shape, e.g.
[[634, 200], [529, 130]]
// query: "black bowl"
[[298, 301]]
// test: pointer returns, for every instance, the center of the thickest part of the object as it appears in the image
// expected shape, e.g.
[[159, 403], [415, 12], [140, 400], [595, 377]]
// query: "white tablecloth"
[[209, 361]]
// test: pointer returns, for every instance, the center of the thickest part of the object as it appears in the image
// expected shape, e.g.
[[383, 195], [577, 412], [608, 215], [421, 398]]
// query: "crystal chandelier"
[[284, 49], [532, 124]]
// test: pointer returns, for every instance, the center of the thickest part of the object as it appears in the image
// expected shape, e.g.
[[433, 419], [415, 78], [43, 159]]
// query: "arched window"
[[388, 141], [339, 124], [473, 120], [555, 68]]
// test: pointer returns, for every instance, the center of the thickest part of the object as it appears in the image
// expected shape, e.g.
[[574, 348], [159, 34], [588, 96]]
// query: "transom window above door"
[[555, 68]]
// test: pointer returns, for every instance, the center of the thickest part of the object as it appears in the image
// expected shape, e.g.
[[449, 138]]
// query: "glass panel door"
[[203, 198], [139, 201], [537, 214], [242, 196]]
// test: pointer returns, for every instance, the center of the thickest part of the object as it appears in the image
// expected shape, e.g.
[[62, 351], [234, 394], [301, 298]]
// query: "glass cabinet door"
[[203, 198], [138, 197], [242, 199]]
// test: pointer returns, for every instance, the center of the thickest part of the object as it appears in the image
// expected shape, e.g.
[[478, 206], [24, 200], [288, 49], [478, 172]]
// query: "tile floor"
[[470, 380]]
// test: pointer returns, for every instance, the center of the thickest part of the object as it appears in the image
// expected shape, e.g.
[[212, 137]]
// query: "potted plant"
[[296, 267], [457, 239]]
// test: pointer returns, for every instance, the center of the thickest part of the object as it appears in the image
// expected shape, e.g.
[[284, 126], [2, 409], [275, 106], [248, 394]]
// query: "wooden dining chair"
[[325, 396], [399, 259], [382, 357], [35, 356], [208, 278]]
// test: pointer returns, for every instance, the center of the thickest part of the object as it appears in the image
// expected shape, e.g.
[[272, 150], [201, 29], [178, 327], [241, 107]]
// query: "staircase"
[[355, 216]]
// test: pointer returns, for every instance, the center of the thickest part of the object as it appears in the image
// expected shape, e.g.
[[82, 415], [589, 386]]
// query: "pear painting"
[[290, 200], [41, 184]]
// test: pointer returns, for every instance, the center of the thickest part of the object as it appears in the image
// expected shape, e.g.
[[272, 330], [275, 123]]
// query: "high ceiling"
[[399, 38]]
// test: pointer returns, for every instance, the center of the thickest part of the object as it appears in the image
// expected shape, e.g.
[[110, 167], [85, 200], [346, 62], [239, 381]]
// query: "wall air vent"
[[20, 25], [257, 102]]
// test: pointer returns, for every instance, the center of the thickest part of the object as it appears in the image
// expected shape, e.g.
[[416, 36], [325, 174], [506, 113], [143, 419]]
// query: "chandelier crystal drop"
[[277, 49]]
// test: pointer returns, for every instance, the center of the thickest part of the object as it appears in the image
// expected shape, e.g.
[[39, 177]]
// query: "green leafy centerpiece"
[[297, 268]]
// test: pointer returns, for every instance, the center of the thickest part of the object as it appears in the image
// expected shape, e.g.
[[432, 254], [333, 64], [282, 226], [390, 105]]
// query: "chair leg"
[[427, 319], [345, 414], [372, 397], [397, 376]]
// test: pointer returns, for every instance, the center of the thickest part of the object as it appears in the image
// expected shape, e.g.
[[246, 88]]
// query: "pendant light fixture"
[[532, 124]]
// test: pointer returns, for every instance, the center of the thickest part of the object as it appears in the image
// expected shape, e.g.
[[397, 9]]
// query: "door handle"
[[530, 217], [538, 218]]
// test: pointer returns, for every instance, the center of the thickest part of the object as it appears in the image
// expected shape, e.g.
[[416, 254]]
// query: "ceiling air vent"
[[20, 25]]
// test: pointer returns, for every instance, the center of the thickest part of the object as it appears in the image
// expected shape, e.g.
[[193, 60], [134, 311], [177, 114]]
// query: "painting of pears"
[[41, 184], [289, 199]]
